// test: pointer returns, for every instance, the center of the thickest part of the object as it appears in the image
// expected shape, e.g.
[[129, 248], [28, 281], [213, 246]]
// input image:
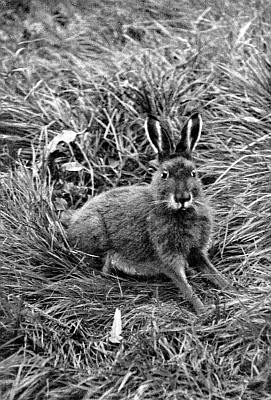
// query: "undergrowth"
[[76, 83]]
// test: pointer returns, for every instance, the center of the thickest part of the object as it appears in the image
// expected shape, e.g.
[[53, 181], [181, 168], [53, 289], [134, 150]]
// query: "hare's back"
[[120, 200], [115, 220], [125, 216], [125, 206]]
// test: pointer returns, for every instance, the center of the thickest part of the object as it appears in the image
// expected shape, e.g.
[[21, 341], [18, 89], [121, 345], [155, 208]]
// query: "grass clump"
[[76, 82]]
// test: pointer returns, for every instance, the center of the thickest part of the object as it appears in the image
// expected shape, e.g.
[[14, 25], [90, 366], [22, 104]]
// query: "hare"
[[162, 227]]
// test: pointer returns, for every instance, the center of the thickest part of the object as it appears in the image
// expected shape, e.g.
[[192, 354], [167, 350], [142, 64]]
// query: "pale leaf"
[[251, 119], [115, 335], [72, 166], [243, 31], [66, 136], [60, 204], [113, 163]]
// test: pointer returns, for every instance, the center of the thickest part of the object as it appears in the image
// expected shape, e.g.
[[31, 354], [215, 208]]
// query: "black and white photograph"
[[135, 200]]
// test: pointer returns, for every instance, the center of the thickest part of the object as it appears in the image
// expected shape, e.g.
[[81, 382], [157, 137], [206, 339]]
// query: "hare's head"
[[175, 183]]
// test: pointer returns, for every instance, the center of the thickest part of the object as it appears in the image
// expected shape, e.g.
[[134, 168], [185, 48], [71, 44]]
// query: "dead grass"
[[91, 71]]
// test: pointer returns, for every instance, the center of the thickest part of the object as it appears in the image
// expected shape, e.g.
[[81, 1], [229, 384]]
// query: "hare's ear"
[[158, 137], [190, 135]]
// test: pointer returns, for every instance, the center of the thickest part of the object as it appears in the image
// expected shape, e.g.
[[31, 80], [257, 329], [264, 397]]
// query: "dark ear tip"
[[196, 116], [152, 116]]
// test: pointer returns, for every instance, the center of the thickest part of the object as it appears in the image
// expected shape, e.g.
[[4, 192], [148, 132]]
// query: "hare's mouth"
[[180, 203]]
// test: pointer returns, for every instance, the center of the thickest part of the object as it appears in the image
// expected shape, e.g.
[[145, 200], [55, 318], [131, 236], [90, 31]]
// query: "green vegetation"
[[89, 72]]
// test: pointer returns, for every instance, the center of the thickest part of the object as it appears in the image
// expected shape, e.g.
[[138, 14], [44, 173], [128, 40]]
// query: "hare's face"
[[176, 184]]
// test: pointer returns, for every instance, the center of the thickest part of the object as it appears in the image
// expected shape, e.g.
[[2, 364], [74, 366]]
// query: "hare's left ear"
[[190, 135], [158, 137]]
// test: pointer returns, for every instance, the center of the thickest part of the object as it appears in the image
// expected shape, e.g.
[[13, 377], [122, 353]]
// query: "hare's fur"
[[157, 228]]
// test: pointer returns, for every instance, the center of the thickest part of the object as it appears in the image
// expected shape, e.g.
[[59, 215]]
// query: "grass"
[[88, 73]]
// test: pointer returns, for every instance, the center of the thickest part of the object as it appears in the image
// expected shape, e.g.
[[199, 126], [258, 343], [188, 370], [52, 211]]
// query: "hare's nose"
[[182, 198]]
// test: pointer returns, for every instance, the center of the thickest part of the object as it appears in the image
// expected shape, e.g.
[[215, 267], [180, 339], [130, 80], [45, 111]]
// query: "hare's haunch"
[[161, 227]]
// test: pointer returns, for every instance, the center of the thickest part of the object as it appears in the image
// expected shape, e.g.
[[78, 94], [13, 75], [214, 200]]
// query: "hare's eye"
[[164, 174], [193, 173]]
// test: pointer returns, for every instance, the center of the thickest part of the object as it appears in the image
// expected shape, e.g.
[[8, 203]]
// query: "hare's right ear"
[[158, 137], [190, 135]]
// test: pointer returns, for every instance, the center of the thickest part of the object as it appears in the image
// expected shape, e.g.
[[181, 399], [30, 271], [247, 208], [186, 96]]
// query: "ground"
[[76, 82]]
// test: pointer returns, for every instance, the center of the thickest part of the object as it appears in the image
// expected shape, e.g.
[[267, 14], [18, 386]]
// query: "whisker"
[[162, 203], [159, 201], [197, 202]]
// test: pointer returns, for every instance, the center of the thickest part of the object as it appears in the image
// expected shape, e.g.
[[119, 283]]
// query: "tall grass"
[[91, 71]]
